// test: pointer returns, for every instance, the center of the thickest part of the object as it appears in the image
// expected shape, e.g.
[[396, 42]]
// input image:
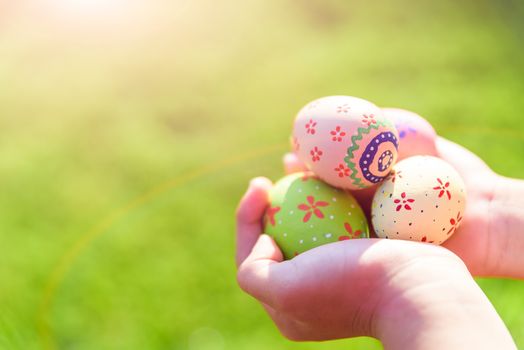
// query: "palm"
[[472, 240], [336, 290]]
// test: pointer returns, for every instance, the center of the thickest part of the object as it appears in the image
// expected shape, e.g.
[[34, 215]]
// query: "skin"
[[409, 295], [490, 239]]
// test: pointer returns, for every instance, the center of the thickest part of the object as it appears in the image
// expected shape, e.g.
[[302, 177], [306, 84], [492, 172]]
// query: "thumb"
[[265, 249], [249, 216], [258, 273]]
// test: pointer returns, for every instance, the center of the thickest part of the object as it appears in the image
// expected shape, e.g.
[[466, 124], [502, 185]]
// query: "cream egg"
[[423, 199]]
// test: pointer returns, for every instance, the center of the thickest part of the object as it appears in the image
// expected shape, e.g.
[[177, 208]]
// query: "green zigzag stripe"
[[354, 147]]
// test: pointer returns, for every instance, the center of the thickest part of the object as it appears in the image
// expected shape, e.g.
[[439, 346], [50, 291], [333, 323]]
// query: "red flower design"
[[312, 208], [316, 154], [310, 127], [337, 134], [443, 188], [454, 223], [368, 119], [393, 176], [403, 202], [271, 212], [425, 239], [350, 232], [342, 170], [343, 108]]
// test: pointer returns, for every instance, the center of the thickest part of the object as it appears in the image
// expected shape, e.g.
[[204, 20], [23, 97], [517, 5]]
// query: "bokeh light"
[[86, 8], [101, 101]]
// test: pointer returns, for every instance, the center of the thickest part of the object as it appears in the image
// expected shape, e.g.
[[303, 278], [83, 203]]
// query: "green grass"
[[93, 114]]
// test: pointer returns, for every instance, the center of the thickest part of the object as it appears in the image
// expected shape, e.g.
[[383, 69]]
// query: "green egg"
[[305, 213]]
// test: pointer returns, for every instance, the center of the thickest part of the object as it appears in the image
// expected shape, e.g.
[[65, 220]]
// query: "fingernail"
[[253, 182], [288, 157], [258, 181]]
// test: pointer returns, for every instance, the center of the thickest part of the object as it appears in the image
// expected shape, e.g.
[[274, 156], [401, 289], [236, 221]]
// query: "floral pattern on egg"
[[305, 212], [423, 199], [346, 141]]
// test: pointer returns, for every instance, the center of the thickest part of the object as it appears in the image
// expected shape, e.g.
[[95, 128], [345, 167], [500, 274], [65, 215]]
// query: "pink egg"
[[346, 141], [417, 136]]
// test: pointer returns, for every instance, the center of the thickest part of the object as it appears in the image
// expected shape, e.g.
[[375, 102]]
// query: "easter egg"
[[423, 199], [305, 213], [416, 135], [346, 141]]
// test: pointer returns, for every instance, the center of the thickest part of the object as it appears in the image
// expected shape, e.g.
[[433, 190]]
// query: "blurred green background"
[[100, 101]]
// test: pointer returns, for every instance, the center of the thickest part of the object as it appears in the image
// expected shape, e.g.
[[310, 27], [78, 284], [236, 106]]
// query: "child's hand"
[[490, 239], [409, 295]]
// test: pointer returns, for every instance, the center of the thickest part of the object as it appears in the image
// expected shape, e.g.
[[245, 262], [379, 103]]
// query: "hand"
[[490, 239], [409, 295]]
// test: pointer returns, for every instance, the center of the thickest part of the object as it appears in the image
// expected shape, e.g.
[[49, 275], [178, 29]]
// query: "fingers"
[[258, 274], [464, 161], [264, 251], [292, 164], [250, 213]]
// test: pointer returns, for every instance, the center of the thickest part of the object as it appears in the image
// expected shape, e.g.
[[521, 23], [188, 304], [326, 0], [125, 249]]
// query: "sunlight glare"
[[92, 8]]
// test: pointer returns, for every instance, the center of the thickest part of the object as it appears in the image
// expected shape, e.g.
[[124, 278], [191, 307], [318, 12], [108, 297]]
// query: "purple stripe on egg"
[[384, 161]]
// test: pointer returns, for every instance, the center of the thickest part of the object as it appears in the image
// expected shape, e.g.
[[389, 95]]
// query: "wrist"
[[444, 309], [506, 228]]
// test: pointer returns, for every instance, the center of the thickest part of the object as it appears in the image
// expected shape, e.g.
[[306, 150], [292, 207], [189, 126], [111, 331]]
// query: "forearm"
[[459, 316], [507, 226]]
